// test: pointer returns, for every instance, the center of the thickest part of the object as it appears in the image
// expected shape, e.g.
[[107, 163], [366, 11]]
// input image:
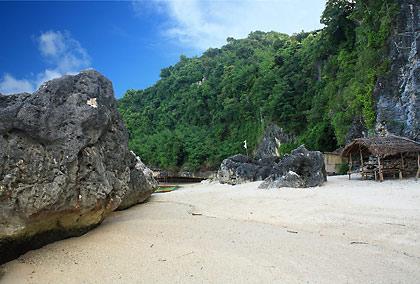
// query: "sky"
[[130, 41]]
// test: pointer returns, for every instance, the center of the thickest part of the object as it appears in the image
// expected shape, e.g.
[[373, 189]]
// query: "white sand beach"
[[343, 232]]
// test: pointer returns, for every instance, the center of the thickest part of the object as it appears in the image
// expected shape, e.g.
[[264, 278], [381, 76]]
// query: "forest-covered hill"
[[314, 85]]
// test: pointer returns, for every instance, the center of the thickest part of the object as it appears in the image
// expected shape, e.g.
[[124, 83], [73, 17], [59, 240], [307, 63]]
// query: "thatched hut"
[[379, 156], [334, 161]]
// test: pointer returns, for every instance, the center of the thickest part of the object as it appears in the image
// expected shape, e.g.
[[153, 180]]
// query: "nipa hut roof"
[[382, 146]]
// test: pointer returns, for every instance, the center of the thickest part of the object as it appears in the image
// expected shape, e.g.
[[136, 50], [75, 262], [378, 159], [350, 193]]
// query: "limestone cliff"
[[398, 94]]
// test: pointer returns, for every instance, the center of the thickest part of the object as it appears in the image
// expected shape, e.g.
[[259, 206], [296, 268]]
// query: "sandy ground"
[[343, 232]]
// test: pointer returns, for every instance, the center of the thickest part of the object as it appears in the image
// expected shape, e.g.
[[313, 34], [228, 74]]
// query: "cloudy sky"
[[130, 42]]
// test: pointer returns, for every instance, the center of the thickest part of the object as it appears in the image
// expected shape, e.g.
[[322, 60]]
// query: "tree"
[[310, 84]]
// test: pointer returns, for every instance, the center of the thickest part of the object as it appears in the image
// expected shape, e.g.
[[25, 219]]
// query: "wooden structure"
[[333, 161], [164, 177], [379, 156]]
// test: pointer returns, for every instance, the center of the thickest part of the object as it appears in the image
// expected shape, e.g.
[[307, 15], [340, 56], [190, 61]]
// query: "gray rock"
[[240, 169], [398, 94], [357, 129], [148, 173], [302, 168], [273, 137], [64, 162], [143, 176]]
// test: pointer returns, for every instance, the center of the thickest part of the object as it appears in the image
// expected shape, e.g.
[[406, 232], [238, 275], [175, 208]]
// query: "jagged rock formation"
[[240, 169], [64, 162], [302, 168], [273, 137], [357, 129], [398, 94], [145, 183]]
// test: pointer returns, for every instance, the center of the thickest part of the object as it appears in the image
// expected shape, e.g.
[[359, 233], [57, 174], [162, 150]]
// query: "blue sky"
[[129, 42]]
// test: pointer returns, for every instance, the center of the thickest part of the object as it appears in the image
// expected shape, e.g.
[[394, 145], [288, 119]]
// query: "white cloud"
[[51, 43], [202, 24], [47, 75], [62, 52], [11, 85]]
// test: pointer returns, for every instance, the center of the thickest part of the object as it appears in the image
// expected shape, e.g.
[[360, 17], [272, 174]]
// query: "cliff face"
[[398, 94]]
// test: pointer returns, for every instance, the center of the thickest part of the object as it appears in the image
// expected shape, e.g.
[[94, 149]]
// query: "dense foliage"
[[313, 85]]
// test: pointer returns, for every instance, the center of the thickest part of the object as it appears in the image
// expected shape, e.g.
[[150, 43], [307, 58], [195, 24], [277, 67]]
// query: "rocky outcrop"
[[64, 162], [398, 94], [273, 137], [240, 169], [145, 185], [357, 129], [302, 168]]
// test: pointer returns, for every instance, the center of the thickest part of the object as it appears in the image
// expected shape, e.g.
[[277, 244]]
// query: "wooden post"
[[350, 166], [381, 175], [361, 164], [418, 166]]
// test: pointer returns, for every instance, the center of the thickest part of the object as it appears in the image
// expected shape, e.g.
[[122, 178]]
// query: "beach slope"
[[342, 232]]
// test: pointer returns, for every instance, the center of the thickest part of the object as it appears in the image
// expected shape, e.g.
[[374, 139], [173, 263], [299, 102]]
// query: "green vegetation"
[[287, 148], [343, 169], [310, 84]]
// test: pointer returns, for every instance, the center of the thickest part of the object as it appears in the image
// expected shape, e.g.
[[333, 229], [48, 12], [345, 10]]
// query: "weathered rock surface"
[[273, 137], [302, 168], [64, 162], [145, 185], [398, 94], [240, 169], [357, 129]]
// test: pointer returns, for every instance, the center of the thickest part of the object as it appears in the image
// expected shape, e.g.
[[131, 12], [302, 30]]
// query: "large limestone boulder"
[[302, 168], [64, 162], [241, 169]]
